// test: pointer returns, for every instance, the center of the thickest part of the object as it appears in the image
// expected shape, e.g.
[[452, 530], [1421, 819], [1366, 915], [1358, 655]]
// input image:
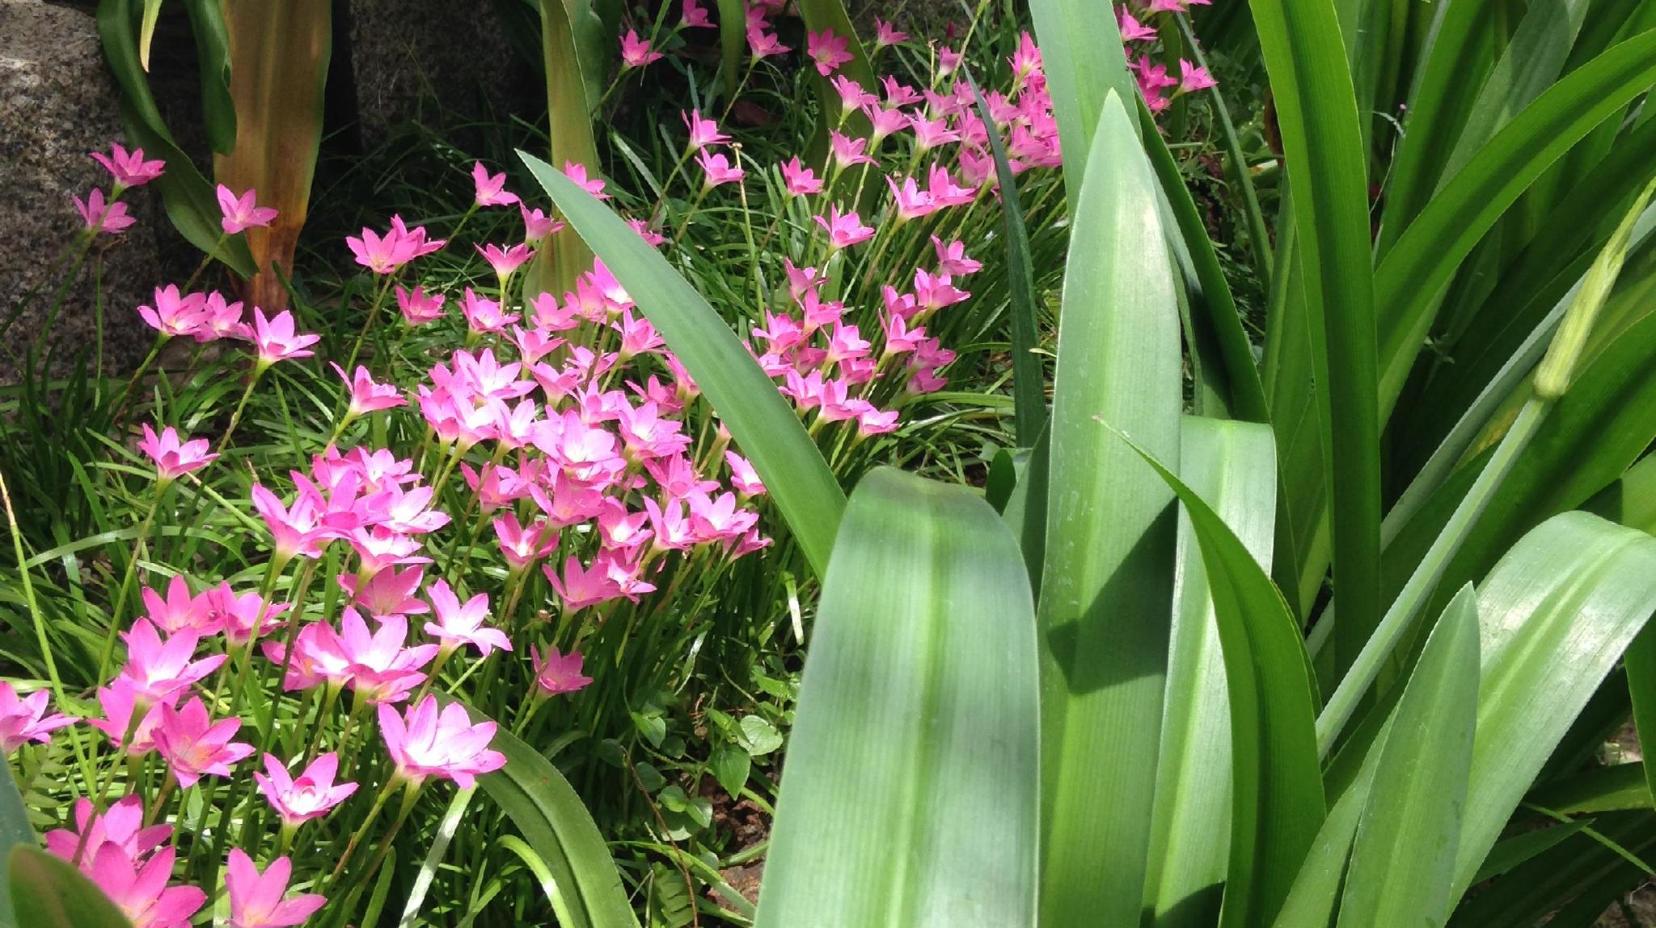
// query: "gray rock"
[[57, 103]]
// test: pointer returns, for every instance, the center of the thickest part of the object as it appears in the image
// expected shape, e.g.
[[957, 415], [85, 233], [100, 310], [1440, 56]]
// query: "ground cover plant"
[[1246, 570]]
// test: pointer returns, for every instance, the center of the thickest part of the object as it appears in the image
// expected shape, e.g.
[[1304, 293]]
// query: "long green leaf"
[[552, 819], [1409, 281], [1555, 615], [573, 58], [1107, 580], [909, 796], [1550, 880], [1233, 466], [188, 197], [763, 425], [1028, 387], [1083, 61], [1277, 802], [1401, 862], [15, 831], [1641, 684], [51, 893], [1323, 144], [732, 40]]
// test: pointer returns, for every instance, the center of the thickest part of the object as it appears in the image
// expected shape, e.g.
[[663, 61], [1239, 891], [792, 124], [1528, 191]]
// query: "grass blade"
[[909, 796], [759, 419], [1232, 465], [1323, 146], [1107, 579], [1401, 861]]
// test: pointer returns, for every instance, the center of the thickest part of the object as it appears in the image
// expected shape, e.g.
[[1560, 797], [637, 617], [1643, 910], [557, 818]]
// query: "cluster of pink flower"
[[208, 317], [1151, 75], [108, 215]]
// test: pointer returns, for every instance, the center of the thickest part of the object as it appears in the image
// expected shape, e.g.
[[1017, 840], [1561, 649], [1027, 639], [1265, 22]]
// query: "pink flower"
[[119, 703], [579, 588], [309, 797], [194, 745], [159, 671], [491, 188], [852, 95], [239, 616], [256, 899], [844, 229], [695, 16], [523, 546], [172, 458], [742, 475], [828, 50], [367, 395], [426, 742], [484, 315], [717, 170], [703, 132], [1192, 78], [650, 236], [764, 44], [930, 133], [24, 720], [295, 530], [885, 34], [1167, 6], [948, 61], [104, 217], [557, 673], [1131, 29], [952, 259], [636, 52], [384, 254], [419, 307], [121, 825], [220, 319], [505, 260], [390, 592], [179, 610], [799, 179], [885, 121], [129, 169], [536, 224], [275, 339], [174, 314], [910, 200], [381, 669], [847, 151], [241, 212], [463, 624], [139, 888], [577, 172]]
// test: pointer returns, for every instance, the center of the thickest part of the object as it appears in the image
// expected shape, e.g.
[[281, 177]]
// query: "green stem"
[[117, 608]]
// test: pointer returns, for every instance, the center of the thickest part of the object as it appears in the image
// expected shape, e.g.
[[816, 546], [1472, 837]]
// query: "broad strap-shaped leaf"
[[1083, 61], [556, 824], [573, 42], [909, 795], [1232, 465], [1276, 785], [1641, 685], [765, 428], [1409, 281], [1107, 580], [1323, 147], [50, 893], [188, 197], [15, 831], [1555, 614], [1402, 861]]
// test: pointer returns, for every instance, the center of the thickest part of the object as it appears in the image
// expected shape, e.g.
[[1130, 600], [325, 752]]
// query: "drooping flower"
[[764, 44], [557, 673], [367, 395], [310, 796], [694, 16], [828, 49], [490, 189], [120, 702], [194, 745], [129, 169], [537, 225], [242, 212], [174, 459], [459, 624], [101, 216], [24, 719], [139, 888], [636, 52], [256, 900], [1131, 29], [276, 340], [427, 742], [506, 260]]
